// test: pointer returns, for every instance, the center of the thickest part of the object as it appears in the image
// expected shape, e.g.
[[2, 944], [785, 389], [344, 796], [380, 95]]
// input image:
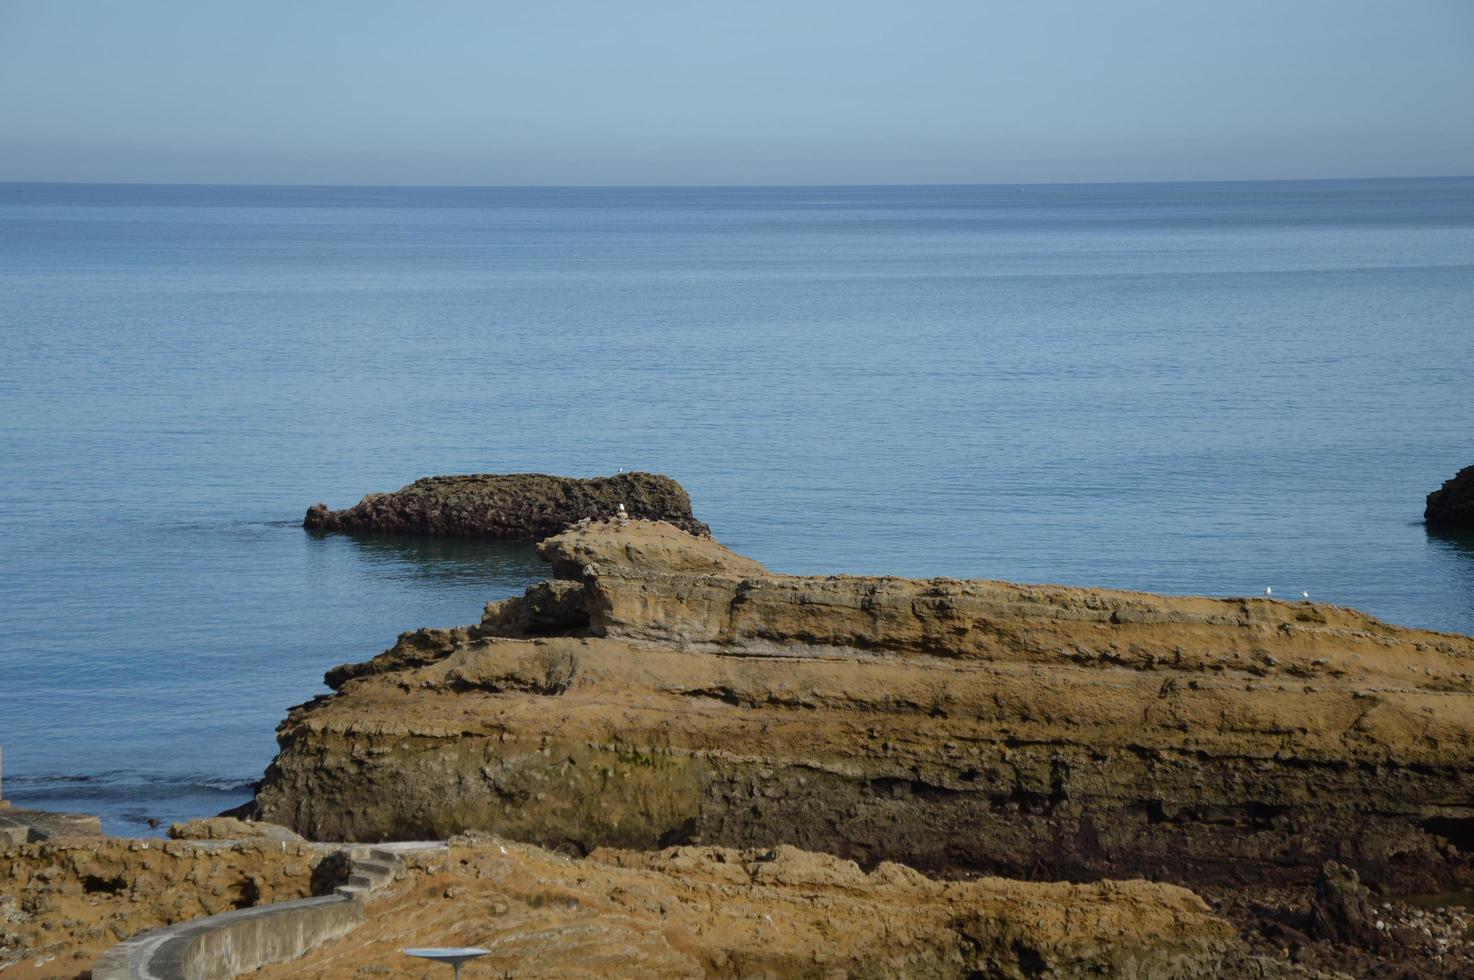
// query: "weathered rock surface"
[[1338, 925], [719, 912], [674, 693], [1342, 910], [230, 828], [1451, 506], [527, 506], [65, 900]]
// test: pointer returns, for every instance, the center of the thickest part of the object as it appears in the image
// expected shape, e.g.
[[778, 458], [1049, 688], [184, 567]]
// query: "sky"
[[481, 92]]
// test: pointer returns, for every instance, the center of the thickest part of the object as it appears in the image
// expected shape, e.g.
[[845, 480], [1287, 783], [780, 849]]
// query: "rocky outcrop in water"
[[668, 691], [1451, 506], [526, 506]]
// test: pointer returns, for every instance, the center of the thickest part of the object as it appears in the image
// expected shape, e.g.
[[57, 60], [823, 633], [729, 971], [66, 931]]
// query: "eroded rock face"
[[1451, 506], [526, 506], [64, 901], [718, 912], [682, 695]]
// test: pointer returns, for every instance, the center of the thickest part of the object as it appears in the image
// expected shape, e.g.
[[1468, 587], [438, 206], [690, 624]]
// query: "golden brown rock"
[[717, 912], [65, 900], [964, 726], [644, 546]]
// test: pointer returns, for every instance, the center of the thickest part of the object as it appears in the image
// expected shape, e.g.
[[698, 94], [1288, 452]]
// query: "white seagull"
[[1268, 591], [1305, 596]]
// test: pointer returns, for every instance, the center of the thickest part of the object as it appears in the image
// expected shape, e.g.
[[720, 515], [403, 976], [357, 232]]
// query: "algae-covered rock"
[[523, 506]]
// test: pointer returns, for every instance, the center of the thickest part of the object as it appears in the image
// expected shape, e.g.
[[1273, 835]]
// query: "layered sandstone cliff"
[[528, 506], [664, 690]]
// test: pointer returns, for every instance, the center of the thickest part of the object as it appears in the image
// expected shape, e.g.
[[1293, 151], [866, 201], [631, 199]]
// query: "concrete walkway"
[[222, 946]]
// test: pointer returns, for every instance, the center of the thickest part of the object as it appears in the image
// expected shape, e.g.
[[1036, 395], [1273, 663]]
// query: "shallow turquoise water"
[[1203, 388]]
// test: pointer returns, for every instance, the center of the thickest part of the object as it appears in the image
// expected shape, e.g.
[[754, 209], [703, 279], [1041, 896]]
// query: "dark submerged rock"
[[527, 506], [1451, 506]]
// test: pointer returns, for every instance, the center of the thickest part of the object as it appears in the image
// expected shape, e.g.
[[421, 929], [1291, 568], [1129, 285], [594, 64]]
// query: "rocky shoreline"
[[661, 690], [695, 911], [666, 760]]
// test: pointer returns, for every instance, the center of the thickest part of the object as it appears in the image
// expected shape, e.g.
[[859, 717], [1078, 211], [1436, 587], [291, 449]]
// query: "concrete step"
[[381, 868], [367, 883], [392, 850], [373, 866], [380, 856]]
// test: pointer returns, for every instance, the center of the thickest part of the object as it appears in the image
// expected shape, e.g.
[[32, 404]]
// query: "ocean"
[[1203, 388]]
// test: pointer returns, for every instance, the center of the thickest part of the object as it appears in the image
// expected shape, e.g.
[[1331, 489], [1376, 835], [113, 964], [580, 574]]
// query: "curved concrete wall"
[[222, 946]]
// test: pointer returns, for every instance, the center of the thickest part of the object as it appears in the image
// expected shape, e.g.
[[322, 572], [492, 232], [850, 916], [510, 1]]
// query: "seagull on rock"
[[1268, 592]]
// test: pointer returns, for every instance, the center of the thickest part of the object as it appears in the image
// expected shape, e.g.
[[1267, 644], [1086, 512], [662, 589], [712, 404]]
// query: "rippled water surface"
[[1202, 388]]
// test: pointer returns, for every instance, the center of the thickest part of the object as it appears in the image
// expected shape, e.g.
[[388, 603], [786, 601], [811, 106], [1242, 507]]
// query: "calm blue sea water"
[[1200, 388]]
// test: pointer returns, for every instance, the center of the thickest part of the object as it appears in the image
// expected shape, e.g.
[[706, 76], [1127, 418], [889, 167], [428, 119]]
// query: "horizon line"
[[765, 186]]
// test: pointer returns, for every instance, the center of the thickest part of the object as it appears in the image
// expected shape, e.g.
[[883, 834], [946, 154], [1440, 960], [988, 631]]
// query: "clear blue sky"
[[733, 92]]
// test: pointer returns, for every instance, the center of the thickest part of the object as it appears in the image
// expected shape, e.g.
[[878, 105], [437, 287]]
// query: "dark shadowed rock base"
[[1451, 506], [527, 506], [1339, 927]]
